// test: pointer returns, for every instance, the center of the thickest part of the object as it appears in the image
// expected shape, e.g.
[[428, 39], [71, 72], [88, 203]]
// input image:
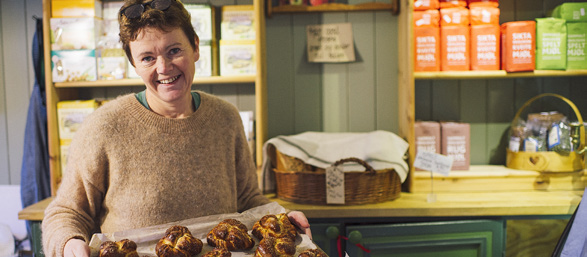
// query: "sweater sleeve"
[[76, 207]]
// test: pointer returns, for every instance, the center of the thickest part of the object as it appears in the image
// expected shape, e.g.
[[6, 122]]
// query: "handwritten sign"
[[334, 185], [434, 162], [330, 43]]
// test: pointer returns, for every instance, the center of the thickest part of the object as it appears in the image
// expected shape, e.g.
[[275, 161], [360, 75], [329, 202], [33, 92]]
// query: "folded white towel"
[[381, 149]]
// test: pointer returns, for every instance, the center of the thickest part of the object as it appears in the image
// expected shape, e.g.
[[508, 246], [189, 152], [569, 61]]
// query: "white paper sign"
[[434, 162], [330, 43], [334, 185]]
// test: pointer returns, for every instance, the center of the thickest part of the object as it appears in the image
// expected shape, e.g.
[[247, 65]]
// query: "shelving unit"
[[71, 90], [499, 74], [483, 175], [333, 7], [139, 82]]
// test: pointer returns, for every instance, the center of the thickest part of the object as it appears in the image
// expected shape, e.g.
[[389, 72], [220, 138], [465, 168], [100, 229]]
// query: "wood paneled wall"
[[362, 96], [347, 97], [343, 97]]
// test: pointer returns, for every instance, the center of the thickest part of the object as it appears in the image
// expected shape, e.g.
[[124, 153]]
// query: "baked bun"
[[122, 248], [178, 242], [218, 252], [313, 253], [277, 226], [230, 234], [276, 247]]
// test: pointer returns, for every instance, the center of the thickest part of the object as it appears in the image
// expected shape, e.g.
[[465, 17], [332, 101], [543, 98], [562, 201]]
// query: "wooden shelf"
[[333, 7], [83, 90], [139, 82], [451, 204], [498, 178], [498, 74], [448, 204]]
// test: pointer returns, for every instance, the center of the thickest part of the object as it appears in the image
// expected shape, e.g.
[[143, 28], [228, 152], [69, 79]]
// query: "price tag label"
[[334, 185], [434, 162]]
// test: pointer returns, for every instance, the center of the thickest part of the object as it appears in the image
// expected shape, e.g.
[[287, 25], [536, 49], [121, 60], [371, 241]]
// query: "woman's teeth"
[[167, 81]]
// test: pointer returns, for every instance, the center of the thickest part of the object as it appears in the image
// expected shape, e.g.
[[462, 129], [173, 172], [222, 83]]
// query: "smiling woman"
[[166, 63], [163, 155]]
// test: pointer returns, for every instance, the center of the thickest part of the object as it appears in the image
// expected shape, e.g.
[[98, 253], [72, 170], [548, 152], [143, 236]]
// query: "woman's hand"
[[76, 248], [299, 220]]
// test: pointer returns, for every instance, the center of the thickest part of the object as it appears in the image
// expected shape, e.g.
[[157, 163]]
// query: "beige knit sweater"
[[129, 167]]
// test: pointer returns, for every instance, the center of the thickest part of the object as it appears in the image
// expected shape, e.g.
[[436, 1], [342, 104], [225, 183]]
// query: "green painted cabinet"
[[475, 238], [325, 235], [36, 243]]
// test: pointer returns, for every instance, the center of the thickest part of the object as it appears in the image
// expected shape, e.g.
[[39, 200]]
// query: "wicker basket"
[[302, 183], [548, 161]]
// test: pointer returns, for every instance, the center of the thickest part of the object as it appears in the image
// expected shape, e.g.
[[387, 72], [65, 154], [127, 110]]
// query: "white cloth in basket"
[[381, 149]]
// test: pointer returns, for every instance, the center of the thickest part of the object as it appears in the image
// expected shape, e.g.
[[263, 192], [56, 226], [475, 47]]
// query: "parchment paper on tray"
[[147, 238]]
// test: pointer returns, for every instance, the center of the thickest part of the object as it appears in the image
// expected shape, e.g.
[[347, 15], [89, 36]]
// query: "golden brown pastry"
[[313, 253], [230, 234], [277, 226], [122, 248], [178, 242], [276, 247], [218, 252]]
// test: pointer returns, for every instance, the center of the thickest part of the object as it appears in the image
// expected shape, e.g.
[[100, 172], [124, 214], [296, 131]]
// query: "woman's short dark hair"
[[176, 16]]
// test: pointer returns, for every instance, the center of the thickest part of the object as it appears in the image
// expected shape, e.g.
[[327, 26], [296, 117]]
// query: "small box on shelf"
[[456, 143], [238, 22], [202, 20], [71, 114], [237, 57], [427, 136], [204, 66], [73, 65], [75, 33], [76, 8]]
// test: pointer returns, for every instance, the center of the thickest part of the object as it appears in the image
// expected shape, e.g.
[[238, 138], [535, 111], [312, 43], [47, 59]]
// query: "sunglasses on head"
[[136, 10]]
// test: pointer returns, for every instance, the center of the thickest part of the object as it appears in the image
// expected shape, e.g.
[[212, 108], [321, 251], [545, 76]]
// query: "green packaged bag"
[[551, 44], [571, 12], [576, 46]]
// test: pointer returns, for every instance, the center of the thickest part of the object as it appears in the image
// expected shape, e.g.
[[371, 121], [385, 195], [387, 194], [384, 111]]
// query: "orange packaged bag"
[[518, 43], [484, 15], [452, 3], [422, 5], [426, 40], [427, 49], [458, 16], [485, 41], [490, 3], [428, 18], [454, 48]]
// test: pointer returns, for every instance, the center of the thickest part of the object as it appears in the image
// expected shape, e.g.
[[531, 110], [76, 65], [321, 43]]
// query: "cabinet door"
[[476, 238], [325, 235]]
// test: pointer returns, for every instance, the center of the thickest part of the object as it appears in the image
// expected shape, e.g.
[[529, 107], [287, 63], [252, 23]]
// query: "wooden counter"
[[523, 211], [453, 205], [415, 205]]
